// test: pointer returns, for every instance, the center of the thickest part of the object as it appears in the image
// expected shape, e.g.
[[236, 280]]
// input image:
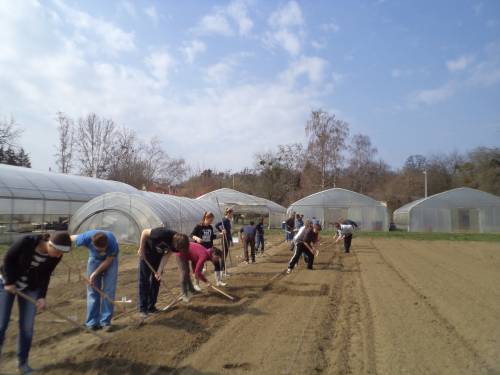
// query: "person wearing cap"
[[155, 247], [102, 273], [27, 267]]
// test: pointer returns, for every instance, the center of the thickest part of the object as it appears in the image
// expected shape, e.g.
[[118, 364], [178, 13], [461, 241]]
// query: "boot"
[[218, 279]]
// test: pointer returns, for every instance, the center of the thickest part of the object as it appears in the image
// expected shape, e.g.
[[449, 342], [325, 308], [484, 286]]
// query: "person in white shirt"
[[344, 232]]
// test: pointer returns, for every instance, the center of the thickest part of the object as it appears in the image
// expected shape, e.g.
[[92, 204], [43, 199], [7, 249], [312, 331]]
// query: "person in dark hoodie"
[[225, 227], [27, 266], [259, 239], [247, 236]]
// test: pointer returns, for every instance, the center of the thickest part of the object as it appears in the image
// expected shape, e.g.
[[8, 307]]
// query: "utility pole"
[[425, 182]]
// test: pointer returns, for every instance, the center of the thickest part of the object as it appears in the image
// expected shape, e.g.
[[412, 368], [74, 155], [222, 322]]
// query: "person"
[[259, 239], [225, 227], [247, 236], [27, 267], [299, 222], [344, 232], [289, 226], [197, 255], [305, 243], [203, 233], [102, 273], [155, 247]]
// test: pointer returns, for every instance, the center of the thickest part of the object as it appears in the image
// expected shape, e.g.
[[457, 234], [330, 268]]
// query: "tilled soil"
[[389, 307]]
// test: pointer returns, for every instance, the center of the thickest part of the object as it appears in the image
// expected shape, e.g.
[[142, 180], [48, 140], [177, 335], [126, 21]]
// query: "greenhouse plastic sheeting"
[[331, 205], [127, 215], [242, 203], [456, 210], [32, 201]]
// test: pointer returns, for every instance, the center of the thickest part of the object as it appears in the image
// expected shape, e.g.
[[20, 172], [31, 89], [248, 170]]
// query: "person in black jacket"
[[259, 239], [27, 266], [225, 227]]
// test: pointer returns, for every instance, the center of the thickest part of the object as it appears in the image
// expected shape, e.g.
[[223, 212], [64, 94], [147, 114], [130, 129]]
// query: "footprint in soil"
[[232, 366]]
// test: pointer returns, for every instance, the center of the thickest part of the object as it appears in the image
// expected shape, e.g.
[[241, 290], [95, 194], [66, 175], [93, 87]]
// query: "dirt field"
[[390, 307]]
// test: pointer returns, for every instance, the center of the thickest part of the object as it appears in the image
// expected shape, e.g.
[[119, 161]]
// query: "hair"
[[217, 252], [206, 216], [336, 224], [61, 238], [297, 216], [100, 240], [252, 222], [228, 211], [45, 237], [308, 223], [318, 227], [180, 242]]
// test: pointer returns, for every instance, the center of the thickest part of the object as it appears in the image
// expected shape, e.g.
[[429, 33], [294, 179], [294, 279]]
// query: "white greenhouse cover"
[[126, 215], [457, 210], [331, 205], [246, 203]]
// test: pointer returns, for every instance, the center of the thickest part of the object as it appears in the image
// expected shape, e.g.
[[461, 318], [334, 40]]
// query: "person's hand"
[[209, 284], [92, 278], [40, 304], [158, 276], [317, 252], [11, 288]]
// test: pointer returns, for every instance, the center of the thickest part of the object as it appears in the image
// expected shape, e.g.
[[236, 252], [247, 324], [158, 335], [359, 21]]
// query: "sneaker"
[[197, 288], [93, 328], [153, 310], [185, 298], [221, 283], [25, 369], [253, 261], [245, 262], [143, 314], [288, 271]]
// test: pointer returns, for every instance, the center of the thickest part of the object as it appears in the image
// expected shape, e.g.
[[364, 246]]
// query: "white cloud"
[[311, 67], [220, 72], [460, 63], [318, 44], [160, 63], [287, 16], [89, 29], [193, 49], [153, 14], [218, 21], [287, 28], [433, 96], [330, 27], [128, 8]]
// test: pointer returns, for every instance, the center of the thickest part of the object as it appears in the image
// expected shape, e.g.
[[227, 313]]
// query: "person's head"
[[57, 243], [261, 221], [317, 227], [208, 218], [216, 255], [308, 224], [252, 223], [180, 243], [336, 225], [100, 241], [297, 216], [229, 213]]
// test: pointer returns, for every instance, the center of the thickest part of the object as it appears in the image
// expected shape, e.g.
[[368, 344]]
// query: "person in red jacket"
[[197, 255]]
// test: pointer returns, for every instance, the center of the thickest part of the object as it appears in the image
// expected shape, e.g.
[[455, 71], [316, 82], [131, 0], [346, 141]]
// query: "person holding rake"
[[27, 267]]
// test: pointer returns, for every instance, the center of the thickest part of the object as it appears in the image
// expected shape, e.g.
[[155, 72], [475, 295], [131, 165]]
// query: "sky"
[[218, 81]]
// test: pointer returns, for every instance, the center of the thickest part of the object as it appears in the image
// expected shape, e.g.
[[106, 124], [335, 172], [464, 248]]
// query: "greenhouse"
[[457, 210], [337, 204], [247, 206], [127, 214], [32, 201]]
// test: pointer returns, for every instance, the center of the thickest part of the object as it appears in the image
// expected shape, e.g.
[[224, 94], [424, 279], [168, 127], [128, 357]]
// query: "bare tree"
[[95, 141], [160, 167], [361, 162], [9, 132], [327, 141], [65, 148]]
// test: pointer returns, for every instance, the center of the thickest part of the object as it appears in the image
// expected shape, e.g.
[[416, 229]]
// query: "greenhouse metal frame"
[[36, 201], [457, 210], [329, 206]]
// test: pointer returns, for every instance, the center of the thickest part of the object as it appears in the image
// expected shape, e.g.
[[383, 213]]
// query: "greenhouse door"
[[333, 214], [465, 220]]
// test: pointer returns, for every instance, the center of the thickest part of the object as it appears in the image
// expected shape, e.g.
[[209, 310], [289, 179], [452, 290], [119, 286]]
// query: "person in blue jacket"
[[102, 273]]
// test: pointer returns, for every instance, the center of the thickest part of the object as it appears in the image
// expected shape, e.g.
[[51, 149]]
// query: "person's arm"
[[10, 263], [102, 267], [218, 226], [163, 263], [195, 234], [45, 280], [146, 233]]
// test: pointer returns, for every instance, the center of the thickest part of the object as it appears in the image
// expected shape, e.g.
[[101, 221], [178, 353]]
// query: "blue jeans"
[[27, 313], [259, 243], [100, 310]]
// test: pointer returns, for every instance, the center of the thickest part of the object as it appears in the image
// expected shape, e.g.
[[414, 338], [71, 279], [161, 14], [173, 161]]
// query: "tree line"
[[331, 157]]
